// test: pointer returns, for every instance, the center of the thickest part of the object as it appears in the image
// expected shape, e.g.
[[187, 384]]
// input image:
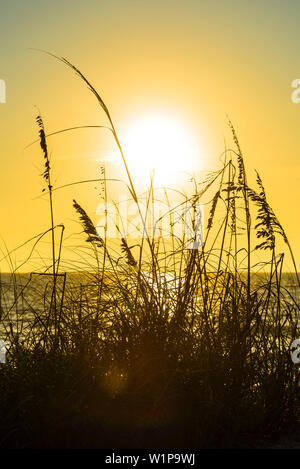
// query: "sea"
[[24, 297]]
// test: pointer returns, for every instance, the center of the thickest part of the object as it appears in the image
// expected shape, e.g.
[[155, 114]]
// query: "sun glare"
[[161, 143]]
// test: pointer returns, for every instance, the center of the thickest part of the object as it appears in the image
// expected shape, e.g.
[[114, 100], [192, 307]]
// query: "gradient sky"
[[198, 59]]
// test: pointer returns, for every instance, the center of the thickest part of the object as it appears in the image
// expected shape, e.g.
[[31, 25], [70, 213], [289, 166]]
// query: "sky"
[[199, 61]]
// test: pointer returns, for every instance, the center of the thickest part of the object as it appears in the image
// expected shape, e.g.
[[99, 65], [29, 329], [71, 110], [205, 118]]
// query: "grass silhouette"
[[159, 346]]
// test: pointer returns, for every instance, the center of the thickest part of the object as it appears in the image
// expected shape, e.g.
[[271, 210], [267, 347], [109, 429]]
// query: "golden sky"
[[196, 61]]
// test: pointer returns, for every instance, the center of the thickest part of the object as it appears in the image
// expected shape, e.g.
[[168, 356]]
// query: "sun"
[[159, 144]]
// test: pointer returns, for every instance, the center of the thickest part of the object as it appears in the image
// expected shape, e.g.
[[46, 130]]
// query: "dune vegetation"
[[157, 346]]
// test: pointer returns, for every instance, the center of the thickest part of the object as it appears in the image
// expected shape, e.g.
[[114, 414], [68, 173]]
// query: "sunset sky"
[[191, 62]]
